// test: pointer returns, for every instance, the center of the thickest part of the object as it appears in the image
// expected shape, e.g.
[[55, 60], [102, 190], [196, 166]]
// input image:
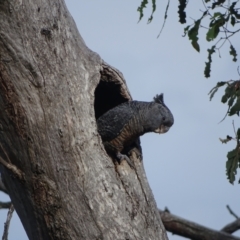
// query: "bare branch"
[[5, 205], [232, 227], [191, 230], [231, 212], [165, 17], [7, 223], [12, 168], [234, 129]]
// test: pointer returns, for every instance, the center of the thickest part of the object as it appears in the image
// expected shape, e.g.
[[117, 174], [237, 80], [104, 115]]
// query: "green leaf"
[[220, 21], [232, 154], [181, 11], [224, 98], [229, 93], [238, 133], [207, 69], [193, 33], [232, 9], [141, 7], [214, 90], [229, 90], [212, 33], [232, 164], [217, 14], [235, 108], [233, 20], [153, 10], [214, 26], [196, 46], [217, 3], [230, 101], [233, 53], [220, 84], [186, 30]]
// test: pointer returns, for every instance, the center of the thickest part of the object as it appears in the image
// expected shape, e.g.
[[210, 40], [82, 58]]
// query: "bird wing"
[[111, 123]]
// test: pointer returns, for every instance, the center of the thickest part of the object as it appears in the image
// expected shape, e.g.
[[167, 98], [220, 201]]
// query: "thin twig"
[[231, 212], [222, 43], [234, 128], [7, 223], [225, 116], [165, 17], [204, 5], [4, 205], [236, 136], [10, 166]]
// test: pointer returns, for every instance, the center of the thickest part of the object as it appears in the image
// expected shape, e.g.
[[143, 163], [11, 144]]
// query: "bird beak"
[[162, 129]]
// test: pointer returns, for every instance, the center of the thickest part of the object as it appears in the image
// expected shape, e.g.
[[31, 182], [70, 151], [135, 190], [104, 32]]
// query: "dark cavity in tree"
[[109, 93], [107, 96]]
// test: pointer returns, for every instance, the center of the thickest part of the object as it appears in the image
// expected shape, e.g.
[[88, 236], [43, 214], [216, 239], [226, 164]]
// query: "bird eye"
[[164, 119]]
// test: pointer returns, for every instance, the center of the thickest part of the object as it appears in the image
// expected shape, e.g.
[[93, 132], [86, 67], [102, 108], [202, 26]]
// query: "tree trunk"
[[57, 173]]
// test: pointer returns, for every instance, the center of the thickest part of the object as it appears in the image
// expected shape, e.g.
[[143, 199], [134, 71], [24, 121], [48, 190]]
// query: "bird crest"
[[159, 98]]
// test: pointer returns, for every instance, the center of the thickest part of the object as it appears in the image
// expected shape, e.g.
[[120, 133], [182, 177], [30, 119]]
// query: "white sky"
[[186, 166]]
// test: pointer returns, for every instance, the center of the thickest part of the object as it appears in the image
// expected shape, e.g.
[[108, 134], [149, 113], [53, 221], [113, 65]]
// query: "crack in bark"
[[91, 210], [140, 182], [13, 108]]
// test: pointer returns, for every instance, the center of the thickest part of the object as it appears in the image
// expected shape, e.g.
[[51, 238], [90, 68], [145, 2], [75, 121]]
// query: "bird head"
[[164, 117]]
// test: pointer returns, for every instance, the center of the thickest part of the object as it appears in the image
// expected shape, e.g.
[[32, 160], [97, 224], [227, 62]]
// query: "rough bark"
[[60, 179]]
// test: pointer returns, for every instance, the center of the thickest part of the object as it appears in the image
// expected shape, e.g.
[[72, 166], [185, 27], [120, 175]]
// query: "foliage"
[[141, 9], [222, 18], [233, 156], [232, 98], [219, 16]]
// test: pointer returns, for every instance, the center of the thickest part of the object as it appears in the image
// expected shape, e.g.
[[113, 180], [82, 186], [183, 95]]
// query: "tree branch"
[[230, 210], [191, 230], [232, 227], [5, 205], [7, 223]]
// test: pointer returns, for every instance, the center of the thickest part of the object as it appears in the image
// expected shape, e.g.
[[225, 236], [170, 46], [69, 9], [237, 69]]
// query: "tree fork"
[[51, 92]]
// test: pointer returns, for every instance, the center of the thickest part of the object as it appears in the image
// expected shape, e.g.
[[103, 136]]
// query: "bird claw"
[[121, 157]]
